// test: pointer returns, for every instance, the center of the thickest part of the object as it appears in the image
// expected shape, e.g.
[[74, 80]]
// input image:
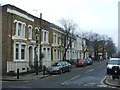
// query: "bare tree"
[[119, 54], [100, 44], [110, 47], [68, 36], [93, 40]]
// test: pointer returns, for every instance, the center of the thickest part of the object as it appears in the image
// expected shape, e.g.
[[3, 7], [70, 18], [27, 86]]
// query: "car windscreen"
[[114, 62], [57, 64]]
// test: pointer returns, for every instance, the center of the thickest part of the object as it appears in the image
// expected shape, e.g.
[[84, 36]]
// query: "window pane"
[[15, 24], [44, 51], [45, 36], [19, 29], [30, 32], [55, 39], [58, 54], [55, 57], [48, 53], [23, 52], [17, 51]]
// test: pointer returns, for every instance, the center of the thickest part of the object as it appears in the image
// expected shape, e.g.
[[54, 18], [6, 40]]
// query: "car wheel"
[[108, 72], [84, 65], [113, 77], [61, 71], [68, 69]]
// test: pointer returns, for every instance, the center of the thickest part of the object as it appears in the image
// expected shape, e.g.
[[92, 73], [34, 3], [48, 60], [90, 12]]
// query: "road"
[[81, 77]]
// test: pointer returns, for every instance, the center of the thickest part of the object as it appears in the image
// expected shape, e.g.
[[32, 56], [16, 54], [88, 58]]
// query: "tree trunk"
[[64, 55]]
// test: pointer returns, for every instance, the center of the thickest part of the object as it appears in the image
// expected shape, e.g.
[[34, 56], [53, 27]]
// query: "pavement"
[[112, 82], [25, 77], [32, 76]]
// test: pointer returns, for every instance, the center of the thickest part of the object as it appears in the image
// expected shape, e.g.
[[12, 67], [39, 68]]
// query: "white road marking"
[[70, 79], [86, 72], [89, 84], [19, 86], [91, 70], [103, 80]]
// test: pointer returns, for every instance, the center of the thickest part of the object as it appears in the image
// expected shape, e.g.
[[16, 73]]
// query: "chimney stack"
[[41, 15]]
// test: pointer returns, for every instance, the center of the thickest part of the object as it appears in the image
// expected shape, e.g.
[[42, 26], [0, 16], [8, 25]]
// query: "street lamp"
[[84, 47], [36, 50], [40, 38]]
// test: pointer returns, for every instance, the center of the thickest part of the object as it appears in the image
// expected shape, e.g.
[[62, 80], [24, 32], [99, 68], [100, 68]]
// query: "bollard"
[[44, 70], [17, 73]]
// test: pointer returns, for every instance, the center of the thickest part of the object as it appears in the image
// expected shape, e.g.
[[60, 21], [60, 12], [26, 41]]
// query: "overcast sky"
[[100, 16]]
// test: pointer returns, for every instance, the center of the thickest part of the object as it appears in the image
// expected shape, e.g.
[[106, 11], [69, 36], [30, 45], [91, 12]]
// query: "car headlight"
[[109, 67]]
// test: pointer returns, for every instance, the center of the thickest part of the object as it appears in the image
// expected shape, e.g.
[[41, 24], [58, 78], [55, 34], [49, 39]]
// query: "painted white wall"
[[20, 14], [14, 65], [47, 56]]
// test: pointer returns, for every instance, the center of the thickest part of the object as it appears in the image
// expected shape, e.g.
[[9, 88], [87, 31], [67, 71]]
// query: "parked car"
[[112, 62], [69, 64], [59, 67], [89, 61], [81, 63]]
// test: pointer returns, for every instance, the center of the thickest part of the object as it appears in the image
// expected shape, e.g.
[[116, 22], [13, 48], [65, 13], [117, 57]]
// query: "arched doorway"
[[30, 56]]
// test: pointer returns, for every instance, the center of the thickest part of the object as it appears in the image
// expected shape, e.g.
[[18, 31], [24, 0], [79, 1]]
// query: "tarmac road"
[[81, 77]]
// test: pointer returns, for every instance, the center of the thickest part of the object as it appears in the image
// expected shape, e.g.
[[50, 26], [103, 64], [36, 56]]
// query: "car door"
[[66, 66]]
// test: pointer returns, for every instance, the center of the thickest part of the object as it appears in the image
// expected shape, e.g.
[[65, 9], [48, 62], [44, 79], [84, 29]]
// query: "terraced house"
[[56, 47], [18, 38], [19, 41]]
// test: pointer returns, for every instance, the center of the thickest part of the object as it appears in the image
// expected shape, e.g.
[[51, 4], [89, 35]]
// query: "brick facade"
[[19, 48]]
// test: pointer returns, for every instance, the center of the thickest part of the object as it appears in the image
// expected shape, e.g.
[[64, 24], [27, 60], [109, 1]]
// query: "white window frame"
[[22, 28], [19, 51], [55, 38], [45, 36], [19, 29]]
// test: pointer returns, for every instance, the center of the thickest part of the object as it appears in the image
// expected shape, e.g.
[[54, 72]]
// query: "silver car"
[[112, 62], [59, 67]]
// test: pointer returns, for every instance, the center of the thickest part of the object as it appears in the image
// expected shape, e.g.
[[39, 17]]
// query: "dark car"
[[59, 67], [89, 61], [81, 63]]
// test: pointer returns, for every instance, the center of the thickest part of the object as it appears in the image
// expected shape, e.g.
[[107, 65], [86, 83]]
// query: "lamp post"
[[36, 50], [40, 38], [83, 49]]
